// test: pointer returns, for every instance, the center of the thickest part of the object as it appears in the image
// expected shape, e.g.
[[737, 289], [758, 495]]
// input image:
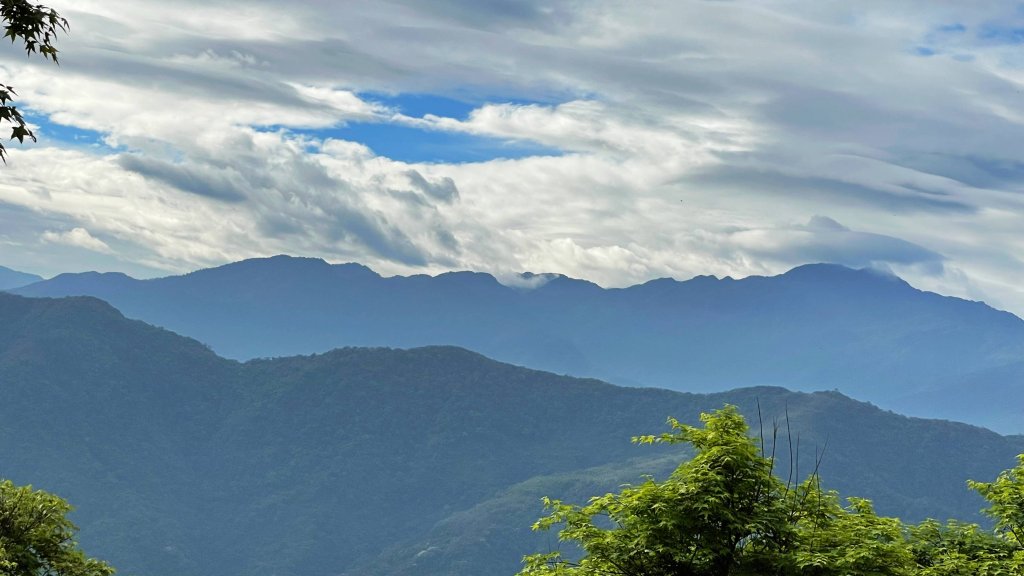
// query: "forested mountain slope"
[[869, 335], [181, 462]]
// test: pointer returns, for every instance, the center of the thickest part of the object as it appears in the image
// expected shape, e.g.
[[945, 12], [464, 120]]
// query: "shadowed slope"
[[182, 462]]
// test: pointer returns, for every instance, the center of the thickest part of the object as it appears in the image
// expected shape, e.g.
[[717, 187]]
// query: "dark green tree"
[[36, 537], [36, 26]]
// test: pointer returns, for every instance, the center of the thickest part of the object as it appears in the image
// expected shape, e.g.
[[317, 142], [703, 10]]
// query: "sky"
[[614, 141]]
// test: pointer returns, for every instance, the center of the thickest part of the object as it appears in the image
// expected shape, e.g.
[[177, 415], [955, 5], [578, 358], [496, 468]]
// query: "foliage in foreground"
[[37, 27], [725, 513], [37, 539]]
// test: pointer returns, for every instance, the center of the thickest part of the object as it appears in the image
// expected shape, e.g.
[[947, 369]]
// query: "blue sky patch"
[[419, 105], [50, 133], [1000, 34], [410, 144], [413, 144]]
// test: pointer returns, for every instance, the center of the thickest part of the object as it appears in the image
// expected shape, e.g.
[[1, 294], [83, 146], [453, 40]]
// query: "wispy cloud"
[[673, 138]]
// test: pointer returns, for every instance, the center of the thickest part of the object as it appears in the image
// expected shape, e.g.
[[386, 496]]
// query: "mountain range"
[[867, 334], [384, 461]]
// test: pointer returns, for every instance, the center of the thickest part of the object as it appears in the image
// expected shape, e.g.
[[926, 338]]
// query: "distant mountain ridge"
[[380, 461], [870, 335], [13, 279]]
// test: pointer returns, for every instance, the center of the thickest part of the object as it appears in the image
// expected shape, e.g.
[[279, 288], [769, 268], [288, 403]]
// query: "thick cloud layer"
[[692, 137]]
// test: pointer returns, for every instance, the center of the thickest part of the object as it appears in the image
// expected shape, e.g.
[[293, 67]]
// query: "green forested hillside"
[[181, 462]]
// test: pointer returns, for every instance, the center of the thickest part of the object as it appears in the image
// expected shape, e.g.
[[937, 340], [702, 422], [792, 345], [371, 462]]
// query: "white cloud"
[[597, 128], [77, 237], [823, 239], [697, 137]]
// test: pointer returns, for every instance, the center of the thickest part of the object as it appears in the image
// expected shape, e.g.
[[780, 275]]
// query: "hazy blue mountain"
[[356, 461], [13, 279], [870, 335]]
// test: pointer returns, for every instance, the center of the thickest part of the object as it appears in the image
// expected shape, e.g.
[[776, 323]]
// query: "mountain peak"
[[283, 267], [837, 272], [81, 283], [465, 276], [271, 262]]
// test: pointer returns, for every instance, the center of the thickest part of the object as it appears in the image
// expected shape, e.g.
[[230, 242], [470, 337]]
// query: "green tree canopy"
[[36, 26], [724, 513], [36, 537], [1006, 495]]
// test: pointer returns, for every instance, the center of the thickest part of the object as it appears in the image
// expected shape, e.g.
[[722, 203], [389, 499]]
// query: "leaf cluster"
[[37, 539], [1006, 496], [725, 513], [37, 27]]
